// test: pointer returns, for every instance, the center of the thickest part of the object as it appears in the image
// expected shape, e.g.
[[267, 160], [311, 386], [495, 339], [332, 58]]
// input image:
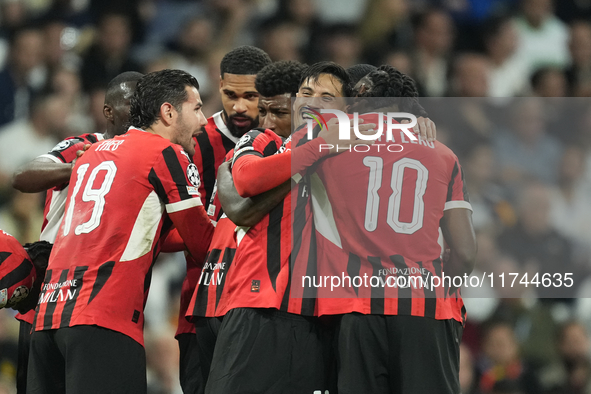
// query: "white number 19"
[[95, 195]]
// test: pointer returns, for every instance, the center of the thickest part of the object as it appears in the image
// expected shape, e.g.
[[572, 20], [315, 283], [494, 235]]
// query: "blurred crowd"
[[523, 136]]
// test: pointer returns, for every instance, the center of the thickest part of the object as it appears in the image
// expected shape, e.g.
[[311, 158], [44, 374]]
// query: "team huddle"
[[255, 198]]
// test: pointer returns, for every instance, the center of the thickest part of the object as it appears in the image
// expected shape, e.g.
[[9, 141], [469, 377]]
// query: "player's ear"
[[167, 113], [108, 112], [221, 82]]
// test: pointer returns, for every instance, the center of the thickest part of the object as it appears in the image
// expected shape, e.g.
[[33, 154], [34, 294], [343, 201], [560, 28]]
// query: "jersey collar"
[[219, 123]]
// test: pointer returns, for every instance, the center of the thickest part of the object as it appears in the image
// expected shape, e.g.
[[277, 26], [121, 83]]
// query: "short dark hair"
[[358, 71], [155, 89], [337, 71], [280, 78], [244, 60], [113, 93], [390, 83]]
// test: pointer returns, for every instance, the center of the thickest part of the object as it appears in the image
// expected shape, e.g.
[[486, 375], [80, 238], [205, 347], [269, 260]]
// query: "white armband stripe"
[[182, 205], [457, 204]]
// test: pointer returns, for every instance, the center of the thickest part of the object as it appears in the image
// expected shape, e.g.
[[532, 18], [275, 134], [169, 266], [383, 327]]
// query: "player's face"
[[240, 100], [275, 114], [189, 121], [324, 93], [121, 109]]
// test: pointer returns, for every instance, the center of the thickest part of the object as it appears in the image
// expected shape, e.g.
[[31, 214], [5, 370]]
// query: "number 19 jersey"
[[122, 195]]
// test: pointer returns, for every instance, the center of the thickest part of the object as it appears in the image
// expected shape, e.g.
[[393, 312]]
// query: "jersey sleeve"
[[254, 156], [174, 179], [214, 210], [65, 151], [457, 195]]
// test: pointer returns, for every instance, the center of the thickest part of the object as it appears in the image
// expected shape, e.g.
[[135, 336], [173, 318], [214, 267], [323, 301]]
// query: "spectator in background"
[[23, 140], [534, 242], [501, 361], [543, 38], [526, 151], [281, 41], [400, 60], [22, 216], [306, 29], [469, 120], [65, 83], [384, 26], [507, 387], [433, 40], [471, 76], [16, 84], [572, 372], [571, 201], [191, 50], [508, 76], [486, 196], [579, 73], [468, 381], [549, 82], [109, 56], [341, 45]]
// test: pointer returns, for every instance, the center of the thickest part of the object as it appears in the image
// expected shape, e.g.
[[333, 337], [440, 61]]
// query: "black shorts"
[[398, 354], [24, 343], [266, 351], [189, 366], [85, 359], [196, 362]]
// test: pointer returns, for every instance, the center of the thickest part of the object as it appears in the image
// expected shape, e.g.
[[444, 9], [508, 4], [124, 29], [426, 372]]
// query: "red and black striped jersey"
[[55, 199], [17, 273], [376, 213], [209, 291], [123, 202], [211, 149], [261, 273], [212, 146]]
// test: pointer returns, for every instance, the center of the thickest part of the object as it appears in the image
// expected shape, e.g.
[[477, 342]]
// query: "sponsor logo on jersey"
[[255, 286], [193, 175], [192, 190]]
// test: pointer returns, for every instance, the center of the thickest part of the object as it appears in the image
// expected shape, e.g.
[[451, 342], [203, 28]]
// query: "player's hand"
[[425, 127], [330, 134], [79, 153]]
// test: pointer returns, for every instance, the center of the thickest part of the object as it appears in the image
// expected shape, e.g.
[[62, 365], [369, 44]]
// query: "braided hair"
[[392, 87]]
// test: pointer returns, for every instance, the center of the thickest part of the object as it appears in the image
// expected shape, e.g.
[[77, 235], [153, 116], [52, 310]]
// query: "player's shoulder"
[[259, 139], [444, 151], [11, 245]]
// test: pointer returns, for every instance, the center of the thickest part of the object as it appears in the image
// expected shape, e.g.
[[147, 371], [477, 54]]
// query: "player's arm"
[[169, 177], [456, 226], [458, 233], [247, 211], [257, 169], [173, 242], [49, 170], [41, 174]]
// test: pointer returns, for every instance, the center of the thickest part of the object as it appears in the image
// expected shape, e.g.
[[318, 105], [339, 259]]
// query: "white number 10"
[[375, 165], [90, 194]]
